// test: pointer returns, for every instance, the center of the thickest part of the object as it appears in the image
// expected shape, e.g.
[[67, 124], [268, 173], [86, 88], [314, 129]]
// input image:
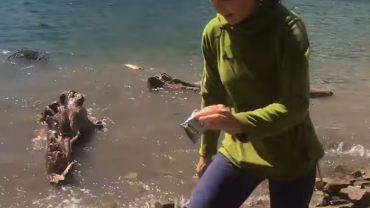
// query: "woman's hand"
[[218, 117], [202, 165]]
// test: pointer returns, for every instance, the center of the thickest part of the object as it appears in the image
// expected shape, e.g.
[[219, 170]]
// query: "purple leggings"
[[224, 185]]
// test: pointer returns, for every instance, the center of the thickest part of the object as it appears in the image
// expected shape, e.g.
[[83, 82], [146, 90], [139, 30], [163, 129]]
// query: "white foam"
[[6, 52], [39, 142], [356, 151], [67, 197]]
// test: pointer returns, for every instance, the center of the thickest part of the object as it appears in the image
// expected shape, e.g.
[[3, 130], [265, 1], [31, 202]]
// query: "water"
[[90, 41]]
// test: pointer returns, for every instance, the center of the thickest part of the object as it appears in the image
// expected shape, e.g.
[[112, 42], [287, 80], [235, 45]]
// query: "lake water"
[[90, 41]]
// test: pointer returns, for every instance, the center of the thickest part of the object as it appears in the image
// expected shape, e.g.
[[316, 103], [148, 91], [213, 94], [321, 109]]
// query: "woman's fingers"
[[212, 118], [212, 109], [211, 126], [213, 121]]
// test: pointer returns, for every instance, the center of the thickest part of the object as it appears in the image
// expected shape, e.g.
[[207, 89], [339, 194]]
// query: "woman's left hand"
[[218, 117]]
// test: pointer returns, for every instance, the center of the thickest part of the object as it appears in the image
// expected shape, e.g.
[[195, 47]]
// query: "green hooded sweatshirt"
[[259, 68]]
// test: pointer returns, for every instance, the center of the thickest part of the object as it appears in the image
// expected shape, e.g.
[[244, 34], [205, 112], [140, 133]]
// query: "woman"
[[256, 63]]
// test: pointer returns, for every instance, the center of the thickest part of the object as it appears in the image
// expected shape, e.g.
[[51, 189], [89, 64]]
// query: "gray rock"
[[164, 204], [108, 203]]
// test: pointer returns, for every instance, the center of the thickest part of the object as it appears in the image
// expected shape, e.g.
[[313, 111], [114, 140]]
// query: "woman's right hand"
[[202, 165]]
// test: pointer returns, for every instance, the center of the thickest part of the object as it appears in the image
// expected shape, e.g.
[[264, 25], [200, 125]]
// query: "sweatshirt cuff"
[[208, 143], [207, 153], [242, 117]]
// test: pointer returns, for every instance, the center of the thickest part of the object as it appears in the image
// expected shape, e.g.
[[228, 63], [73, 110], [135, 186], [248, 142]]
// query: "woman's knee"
[[292, 194], [222, 185]]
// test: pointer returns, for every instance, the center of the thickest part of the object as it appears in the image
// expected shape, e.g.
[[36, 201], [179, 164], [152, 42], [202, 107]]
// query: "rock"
[[164, 204], [317, 198], [332, 186], [130, 175], [357, 174], [320, 185], [339, 193], [339, 169], [108, 203], [353, 193], [325, 200], [360, 183], [364, 202], [366, 186]]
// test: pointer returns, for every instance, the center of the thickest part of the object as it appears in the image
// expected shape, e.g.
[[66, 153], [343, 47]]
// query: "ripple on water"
[[67, 197]]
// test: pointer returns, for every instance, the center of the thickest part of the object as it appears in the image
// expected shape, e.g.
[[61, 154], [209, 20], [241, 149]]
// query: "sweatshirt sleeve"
[[212, 92], [292, 106]]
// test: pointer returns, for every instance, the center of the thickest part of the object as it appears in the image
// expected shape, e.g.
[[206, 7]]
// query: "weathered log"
[[67, 120], [320, 93], [165, 81]]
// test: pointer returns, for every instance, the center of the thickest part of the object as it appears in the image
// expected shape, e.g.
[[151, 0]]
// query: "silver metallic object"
[[193, 128]]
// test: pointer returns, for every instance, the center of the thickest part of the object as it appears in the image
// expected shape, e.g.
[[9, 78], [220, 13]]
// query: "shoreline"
[[116, 92]]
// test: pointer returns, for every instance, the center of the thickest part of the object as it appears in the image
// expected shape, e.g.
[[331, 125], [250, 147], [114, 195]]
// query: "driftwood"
[[165, 81], [25, 53], [67, 121]]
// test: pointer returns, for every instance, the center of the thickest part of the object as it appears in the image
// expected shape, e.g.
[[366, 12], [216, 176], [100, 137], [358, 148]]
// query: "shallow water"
[[89, 43]]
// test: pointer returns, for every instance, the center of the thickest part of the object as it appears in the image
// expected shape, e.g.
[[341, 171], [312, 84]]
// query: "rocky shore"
[[342, 191]]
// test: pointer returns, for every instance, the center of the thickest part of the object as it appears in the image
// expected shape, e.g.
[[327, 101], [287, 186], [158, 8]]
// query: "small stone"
[[357, 174], [131, 175], [318, 198], [164, 204], [366, 186]]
